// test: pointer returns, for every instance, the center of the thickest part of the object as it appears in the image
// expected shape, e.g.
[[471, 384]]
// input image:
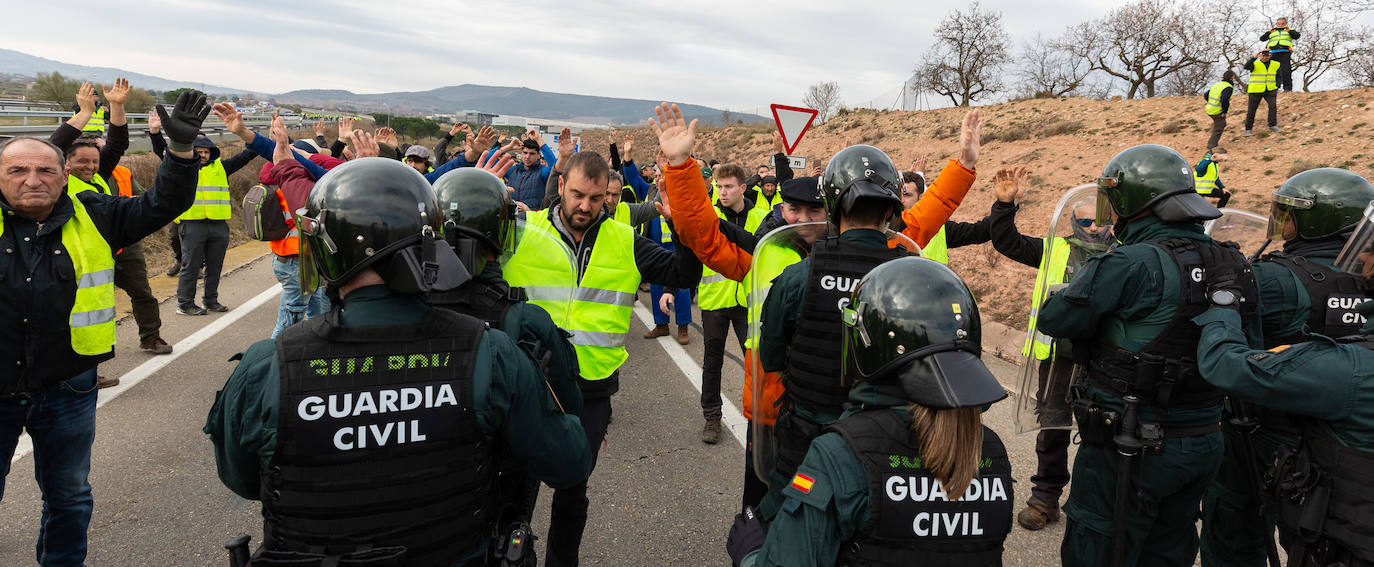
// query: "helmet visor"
[[1357, 257], [312, 237], [1104, 206], [1282, 211]]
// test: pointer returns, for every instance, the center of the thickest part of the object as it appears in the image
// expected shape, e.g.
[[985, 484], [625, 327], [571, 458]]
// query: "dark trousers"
[[131, 275], [174, 238], [754, 489], [568, 512], [1218, 126], [1272, 99], [201, 242], [1052, 445], [715, 326], [1285, 75]]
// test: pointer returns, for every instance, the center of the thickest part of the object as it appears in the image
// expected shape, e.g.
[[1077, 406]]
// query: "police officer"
[[1150, 425], [384, 392], [1324, 487], [1302, 295], [909, 475]]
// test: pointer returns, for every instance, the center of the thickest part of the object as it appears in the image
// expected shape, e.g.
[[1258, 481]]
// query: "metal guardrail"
[[138, 124]]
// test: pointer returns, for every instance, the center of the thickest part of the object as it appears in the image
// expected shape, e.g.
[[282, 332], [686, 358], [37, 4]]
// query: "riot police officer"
[[402, 407], [1150, 426], [909, 475], [1302, 294]]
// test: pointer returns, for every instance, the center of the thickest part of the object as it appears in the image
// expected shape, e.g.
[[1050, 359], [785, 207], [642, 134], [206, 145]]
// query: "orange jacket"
[[772, 391], [696, 224]]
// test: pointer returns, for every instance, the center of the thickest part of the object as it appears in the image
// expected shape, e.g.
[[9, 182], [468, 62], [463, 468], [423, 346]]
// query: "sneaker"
[[174, 270], [217, 307], [1248, 133], [106, 382], [656, 332], [710, 433], [682, 336], [156, 346], [1278, 129], [191, 309], [1037, 513]]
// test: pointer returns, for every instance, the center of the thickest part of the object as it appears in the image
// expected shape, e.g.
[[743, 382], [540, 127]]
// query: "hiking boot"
[[1248, 132], [174, 270], [106, 381], [682, 336], [656, 332], [710, 434], [156, 346], [217, 307], [1278, 129], [191, 309], [1037, 513]]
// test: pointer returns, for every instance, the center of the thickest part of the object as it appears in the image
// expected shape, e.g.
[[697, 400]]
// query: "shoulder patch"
[[803, 483]]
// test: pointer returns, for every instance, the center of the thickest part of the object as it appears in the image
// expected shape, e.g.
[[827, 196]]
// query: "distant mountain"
[[18, 63], [518, 101]]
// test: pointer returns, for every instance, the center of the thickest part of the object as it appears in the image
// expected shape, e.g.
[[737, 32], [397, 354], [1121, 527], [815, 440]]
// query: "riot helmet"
[[1150, 177], [477, 212], [375, 213], [1321, 202], [913, 321], [859, 172]]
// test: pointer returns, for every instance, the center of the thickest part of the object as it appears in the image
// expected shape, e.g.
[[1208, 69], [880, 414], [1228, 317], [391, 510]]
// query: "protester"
[[1279, 41], [1263, 87]]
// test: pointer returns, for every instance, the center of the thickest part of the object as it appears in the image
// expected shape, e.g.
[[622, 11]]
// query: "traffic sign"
[[792, 123], [797, 163]]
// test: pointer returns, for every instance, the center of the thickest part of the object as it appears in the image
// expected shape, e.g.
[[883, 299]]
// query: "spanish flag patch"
[[803, 483]]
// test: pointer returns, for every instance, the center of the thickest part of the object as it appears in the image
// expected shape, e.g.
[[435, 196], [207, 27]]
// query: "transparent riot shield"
[[1047, 369], [1357, 256], [537, 259], [776, 251], [1247, 229]]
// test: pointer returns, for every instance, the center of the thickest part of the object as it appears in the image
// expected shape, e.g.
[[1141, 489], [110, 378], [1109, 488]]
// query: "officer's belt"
[[1157, 379]]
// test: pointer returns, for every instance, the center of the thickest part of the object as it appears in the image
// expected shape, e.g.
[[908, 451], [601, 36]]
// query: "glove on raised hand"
[[183, 124]]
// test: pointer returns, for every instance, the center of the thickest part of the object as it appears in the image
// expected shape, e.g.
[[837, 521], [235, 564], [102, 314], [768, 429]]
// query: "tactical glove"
[[183, 124], [746, 535]]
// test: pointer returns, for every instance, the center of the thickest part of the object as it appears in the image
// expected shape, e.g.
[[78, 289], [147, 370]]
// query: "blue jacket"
[[635, 180], [530, 184]]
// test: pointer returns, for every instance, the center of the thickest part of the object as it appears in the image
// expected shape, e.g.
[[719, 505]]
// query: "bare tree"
[[1189, 81], [1142, 42], [1359, 69], [824, 97], [1328, 39], [965, 62], [1232, 25], [1047, 71]]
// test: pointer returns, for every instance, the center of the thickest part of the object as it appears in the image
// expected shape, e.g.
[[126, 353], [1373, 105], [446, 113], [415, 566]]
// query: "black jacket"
[[116, 143], [38, 284], [1008, 241], [231, 164]]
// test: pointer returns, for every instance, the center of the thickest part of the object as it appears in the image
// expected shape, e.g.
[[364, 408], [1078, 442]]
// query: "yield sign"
[[792, 123]]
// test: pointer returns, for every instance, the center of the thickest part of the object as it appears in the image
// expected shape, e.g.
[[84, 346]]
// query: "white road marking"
[[732, 419], [142, 371]]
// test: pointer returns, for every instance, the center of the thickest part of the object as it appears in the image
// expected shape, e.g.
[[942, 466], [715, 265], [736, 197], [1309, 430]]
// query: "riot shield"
[[777, 250], [1357, 256], [537, 259], [1047, 370], [1244, 228]]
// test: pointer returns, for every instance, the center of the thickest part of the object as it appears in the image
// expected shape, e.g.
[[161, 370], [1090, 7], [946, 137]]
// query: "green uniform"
[[508, 398], [1127, 297]]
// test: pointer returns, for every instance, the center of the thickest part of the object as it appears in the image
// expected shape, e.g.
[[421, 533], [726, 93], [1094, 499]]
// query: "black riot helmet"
[[1154, 177], [1322, 202], [860, 172], [477, 208], [374, 213], [913, 321]]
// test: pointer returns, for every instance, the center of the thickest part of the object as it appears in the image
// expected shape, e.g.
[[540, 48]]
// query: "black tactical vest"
[[812, 378], [911, 520], [489, 302], [1325, 495], [1164, 372], [377, 441], [1334, 295]]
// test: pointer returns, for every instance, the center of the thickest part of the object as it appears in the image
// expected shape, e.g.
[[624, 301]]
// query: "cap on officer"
[[803, 191]]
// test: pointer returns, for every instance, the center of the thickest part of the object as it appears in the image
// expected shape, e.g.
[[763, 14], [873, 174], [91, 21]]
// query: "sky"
[[737, 55]]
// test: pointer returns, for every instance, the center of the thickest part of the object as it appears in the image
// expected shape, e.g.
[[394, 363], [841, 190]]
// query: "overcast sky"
[[736, 54]]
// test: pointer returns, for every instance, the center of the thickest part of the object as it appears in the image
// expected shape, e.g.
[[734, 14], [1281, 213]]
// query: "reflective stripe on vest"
[[665, 233], [1214, 97], [92, 320], [1207, 182], [936, 249], [598, 313], [76, 185], [779, 262], [1280, 38], [212, 195], [1053, 262], [96, 123], [765, 203], [715, 291], [291, 245], [1263, 79]]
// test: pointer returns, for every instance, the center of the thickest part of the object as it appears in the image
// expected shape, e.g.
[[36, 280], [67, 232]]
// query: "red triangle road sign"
[[793, 122]]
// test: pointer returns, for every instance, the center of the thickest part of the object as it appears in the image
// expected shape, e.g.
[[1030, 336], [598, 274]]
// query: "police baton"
[[1261, 250], [1245, 426], [238, 551], [1128, 448]]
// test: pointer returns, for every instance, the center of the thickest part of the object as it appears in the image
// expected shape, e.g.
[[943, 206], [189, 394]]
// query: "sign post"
[[793, 121]]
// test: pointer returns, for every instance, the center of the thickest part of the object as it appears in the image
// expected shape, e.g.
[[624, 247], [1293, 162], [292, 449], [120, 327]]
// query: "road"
[[659, 496]]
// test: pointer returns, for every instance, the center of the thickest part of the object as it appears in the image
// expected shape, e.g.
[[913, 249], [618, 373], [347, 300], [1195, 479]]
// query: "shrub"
[[1171, 127], [1267, 158], [1300, 165]]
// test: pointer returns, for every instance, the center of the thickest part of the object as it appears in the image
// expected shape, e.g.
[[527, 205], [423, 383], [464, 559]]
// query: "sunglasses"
[[1085, 223]]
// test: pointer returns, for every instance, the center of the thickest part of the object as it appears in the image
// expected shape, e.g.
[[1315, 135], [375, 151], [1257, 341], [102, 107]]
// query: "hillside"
[[19, 63], [1065, 143]]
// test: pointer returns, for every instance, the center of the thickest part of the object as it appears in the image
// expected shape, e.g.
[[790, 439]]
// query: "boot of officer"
[[883, 485], [1302, 294], [862, 190], [1128, 314], [385, 392]]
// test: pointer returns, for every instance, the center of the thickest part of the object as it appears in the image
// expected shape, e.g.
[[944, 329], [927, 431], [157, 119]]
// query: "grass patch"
[[1267, 158], [1263, 135], [1268, 172], [1172, 127], [1360, 125], [1318, 140], [1300, 165]]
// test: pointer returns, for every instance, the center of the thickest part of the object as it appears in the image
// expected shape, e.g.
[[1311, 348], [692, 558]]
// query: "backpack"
[[263, 215]]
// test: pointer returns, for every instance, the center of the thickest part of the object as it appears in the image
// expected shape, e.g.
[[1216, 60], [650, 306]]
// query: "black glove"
[[1223, 272], [746, 535], [183, 125]]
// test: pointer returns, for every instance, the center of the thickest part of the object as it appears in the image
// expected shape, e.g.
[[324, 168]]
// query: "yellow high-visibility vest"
[[1214, 97], [598, 314], [1207, 182], [1263, 79], [96, 123], [212, 195], [765, 203], [1053, 263], [1280, 39], [715, 290], [936, 248], [76, 185], [774, 264]]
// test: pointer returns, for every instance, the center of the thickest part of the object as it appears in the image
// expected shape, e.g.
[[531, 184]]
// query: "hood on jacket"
[[265, 174], [204, 142]]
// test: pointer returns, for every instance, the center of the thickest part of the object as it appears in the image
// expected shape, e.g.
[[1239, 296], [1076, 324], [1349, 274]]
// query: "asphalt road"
[[659, 496]]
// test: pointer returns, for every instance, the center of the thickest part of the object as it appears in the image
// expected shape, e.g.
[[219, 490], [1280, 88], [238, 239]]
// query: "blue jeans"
[[61, 422], [295, 307], [682, 304]]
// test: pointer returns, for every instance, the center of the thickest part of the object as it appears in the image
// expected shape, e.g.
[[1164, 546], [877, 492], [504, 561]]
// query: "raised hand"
[[627, 149], [1004, 185], [496, 162], [969, 139], [154, 123], [778, 146], [346, 129], [534, 135], [85, 98], [233, 121], [183, 123], [664, 207], [566, 146], [117, 93], [386, 136], [282, 152], [675, 136], [365, 144], [919, 165], [319, 127], [485, 136]]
